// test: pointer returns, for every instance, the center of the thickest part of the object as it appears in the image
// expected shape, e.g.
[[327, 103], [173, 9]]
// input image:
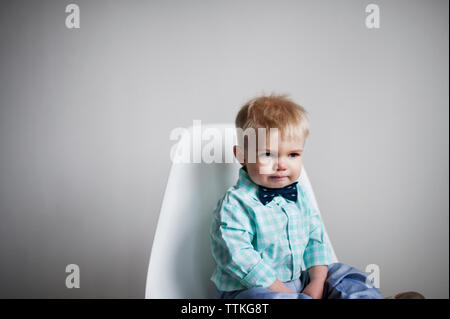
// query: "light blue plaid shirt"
[[254, 244]]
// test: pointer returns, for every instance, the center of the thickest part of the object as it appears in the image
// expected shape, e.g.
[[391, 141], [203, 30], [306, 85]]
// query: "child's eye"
[[267, 154], [294, 154]]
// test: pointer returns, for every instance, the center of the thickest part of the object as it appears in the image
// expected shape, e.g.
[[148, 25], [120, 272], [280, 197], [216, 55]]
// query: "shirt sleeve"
[[231, 242], [318, 249]]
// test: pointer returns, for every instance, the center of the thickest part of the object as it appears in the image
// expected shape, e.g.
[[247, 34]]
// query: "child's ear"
[[239, 154]]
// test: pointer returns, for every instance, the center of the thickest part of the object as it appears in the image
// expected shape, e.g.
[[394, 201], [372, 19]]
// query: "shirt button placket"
[[291, 237]]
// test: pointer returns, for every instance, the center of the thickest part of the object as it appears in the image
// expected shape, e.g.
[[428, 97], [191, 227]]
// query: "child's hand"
[[279, 286], [314, 289]]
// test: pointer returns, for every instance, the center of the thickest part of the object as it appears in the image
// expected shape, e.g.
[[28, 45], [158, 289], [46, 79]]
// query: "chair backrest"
[[181, 262]]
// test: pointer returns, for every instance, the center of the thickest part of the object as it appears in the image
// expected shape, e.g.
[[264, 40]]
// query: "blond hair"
[[274, 111]]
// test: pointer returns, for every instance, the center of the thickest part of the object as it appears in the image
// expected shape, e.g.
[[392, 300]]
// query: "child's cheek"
[[265, 167]]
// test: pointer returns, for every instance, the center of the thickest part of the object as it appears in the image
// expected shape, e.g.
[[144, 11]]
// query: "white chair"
[[181, 262]]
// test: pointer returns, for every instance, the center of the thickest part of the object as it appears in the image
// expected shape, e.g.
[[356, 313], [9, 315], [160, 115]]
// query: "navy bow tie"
[[267, 194]]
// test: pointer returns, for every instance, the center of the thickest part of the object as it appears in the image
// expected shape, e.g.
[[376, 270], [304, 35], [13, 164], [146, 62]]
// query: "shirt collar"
[[246, 182]]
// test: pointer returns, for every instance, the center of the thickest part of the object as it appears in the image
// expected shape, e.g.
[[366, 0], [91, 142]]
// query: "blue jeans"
[[343, 282]]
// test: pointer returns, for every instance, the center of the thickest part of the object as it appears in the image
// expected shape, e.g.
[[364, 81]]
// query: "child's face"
[[277, 167]]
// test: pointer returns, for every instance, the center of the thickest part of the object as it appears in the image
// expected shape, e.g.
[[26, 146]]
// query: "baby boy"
[[266, 238]]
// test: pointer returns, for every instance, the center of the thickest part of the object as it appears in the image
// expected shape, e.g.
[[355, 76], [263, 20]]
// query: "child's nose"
[[281, 164]]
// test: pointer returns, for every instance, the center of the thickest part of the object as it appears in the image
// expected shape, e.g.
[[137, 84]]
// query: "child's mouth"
[[277, 177]]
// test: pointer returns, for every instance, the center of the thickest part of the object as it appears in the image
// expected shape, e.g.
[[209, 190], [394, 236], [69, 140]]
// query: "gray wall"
[[85, 117]]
